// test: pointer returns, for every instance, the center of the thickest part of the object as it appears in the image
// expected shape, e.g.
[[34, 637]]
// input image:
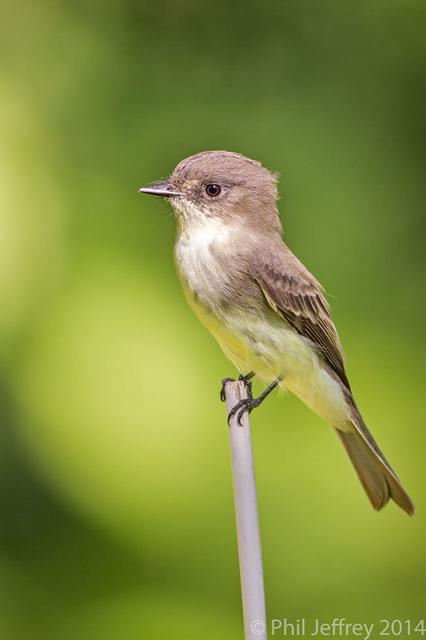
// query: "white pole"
[[249, 547]]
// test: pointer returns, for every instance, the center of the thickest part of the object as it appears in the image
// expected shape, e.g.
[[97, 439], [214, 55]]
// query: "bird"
[[268, 313]]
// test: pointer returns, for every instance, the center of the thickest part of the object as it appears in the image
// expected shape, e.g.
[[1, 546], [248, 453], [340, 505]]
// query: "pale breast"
[[200, 256], [252, 336]]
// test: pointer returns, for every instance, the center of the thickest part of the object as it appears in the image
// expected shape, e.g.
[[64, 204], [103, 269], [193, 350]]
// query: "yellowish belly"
[[234, 345], [272, 349]]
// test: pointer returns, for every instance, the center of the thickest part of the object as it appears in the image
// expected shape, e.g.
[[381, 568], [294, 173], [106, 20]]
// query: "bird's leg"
[[246, 379], [250, 403]]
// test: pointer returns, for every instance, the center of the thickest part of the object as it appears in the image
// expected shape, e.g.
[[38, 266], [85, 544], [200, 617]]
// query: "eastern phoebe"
[[268, 313]]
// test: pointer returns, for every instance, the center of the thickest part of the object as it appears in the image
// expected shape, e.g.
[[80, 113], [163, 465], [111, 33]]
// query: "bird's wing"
[[293, 293]]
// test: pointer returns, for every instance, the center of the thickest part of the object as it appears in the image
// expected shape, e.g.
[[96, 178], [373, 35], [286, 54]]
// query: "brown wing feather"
[[293, 293], [298, 298]]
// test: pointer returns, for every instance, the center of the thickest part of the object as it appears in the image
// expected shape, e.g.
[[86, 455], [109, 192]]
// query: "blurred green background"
[[116, 496]]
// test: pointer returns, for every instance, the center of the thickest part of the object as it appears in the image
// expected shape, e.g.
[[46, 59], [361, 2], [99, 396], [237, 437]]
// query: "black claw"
[[247, 377], [250, 403], [248, 385], [247, 404], [240, 404]]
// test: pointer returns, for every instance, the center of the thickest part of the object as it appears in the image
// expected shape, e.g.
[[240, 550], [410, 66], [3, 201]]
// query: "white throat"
[[200, 249]]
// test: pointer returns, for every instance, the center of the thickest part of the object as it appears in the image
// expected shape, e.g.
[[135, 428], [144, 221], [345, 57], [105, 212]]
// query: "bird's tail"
[[375, 473]]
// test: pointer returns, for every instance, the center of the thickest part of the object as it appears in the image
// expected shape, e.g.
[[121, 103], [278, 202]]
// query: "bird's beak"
[[160, 189]]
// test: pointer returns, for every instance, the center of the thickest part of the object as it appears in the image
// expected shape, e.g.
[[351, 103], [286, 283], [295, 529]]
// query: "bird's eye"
[[213, 190]]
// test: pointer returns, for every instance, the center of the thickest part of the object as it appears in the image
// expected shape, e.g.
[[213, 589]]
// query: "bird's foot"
[[246, 379], [247, 404], [250, 403]]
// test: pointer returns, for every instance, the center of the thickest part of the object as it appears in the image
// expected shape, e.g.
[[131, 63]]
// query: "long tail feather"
[[375, 473]]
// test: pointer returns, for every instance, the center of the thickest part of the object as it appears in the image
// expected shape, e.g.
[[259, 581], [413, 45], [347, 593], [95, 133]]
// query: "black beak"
[[160, 189]]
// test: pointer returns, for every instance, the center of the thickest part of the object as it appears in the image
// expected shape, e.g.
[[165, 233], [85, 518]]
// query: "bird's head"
[[221, 185]]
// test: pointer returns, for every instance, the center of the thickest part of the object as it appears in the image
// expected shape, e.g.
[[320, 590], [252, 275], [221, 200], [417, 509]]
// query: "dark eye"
[[213, 190]]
